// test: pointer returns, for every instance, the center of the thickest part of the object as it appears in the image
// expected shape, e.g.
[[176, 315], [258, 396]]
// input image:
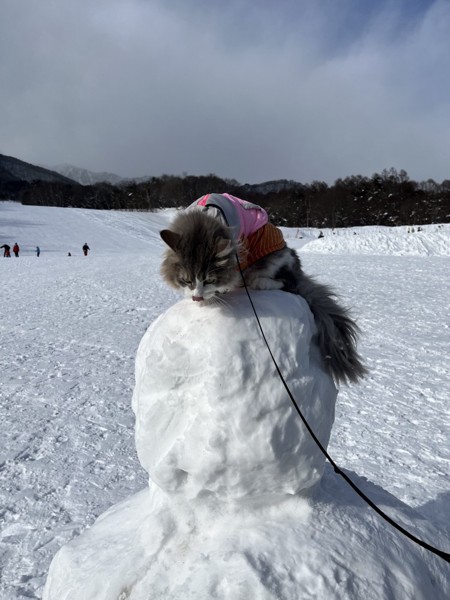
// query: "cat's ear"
[[224, 247], [171, 238]]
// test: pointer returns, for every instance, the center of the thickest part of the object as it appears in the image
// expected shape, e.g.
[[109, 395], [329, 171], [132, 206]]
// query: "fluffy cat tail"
[[336, 331]]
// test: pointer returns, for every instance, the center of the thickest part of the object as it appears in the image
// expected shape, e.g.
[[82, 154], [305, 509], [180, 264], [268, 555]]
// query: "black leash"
[[444, 555]]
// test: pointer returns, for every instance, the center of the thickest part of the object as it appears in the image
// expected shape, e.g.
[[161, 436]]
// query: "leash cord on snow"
[[444, 555]]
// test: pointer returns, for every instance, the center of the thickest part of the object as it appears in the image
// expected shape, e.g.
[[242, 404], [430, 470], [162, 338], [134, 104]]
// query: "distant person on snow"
[[38, 251], [86, 249], [16, 250], [6, 253]]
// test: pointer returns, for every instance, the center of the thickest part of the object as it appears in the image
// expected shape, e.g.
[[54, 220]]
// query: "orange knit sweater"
[[266, 240]]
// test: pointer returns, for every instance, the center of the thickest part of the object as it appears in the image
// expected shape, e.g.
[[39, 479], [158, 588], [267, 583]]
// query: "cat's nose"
[[197, 298]]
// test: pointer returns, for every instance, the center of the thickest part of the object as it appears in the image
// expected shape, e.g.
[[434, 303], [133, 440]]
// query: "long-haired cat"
[[202, 257]]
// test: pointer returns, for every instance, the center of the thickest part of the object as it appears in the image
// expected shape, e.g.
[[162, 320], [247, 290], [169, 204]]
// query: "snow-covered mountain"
[[69, 333], [86, 177]]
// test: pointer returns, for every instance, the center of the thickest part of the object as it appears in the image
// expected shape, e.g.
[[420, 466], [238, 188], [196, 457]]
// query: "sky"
[[297, 89]]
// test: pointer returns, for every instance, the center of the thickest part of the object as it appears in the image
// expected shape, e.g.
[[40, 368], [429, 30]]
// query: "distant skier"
[[16, 250], [86, 249], [38, 251], [6, 253]]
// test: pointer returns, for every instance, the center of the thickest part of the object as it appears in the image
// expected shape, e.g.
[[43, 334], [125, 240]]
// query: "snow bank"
[[428, 240], [232, 511]]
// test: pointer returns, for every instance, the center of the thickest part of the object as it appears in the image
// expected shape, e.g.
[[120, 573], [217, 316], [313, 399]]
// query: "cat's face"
[[201, 258]]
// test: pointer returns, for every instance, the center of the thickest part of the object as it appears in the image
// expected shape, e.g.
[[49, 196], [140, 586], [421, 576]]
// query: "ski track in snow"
[[69, 331]]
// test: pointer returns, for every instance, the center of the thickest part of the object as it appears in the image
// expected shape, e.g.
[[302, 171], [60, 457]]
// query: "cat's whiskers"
[[219, 300]]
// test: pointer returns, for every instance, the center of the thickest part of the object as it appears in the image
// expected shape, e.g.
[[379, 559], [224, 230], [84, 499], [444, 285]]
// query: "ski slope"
[[70, 328]]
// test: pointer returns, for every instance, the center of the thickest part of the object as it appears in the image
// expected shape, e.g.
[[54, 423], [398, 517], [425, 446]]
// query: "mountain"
[[86, 177], [268, 187], [13, 169], [17, 175]]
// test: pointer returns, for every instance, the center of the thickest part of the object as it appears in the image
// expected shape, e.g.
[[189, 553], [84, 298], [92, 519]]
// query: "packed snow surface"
[[211, 415], [69, 332]]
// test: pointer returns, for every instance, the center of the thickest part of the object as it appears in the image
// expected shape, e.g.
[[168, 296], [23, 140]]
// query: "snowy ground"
[[70, 327]]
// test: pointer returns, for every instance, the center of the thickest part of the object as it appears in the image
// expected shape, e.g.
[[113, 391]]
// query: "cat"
[[210, 251]]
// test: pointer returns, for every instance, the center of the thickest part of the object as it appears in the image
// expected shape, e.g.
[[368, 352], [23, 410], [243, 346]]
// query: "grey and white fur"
[[202, 259]]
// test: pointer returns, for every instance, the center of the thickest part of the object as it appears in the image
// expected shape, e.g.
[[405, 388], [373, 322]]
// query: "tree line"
[[386, 198]]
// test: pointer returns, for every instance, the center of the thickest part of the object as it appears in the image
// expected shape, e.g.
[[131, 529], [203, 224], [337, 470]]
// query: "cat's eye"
[[210, 280], [184, 281]]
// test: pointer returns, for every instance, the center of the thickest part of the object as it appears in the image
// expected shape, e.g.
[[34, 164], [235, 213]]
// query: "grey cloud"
[[144, 87]]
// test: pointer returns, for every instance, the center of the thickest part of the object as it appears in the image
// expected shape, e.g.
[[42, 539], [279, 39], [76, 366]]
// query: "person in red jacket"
[[16, 250]]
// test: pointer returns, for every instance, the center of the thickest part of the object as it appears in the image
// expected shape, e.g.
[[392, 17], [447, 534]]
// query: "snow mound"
[[428, 240], [211, 414], [233, 510], [155, 546]]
